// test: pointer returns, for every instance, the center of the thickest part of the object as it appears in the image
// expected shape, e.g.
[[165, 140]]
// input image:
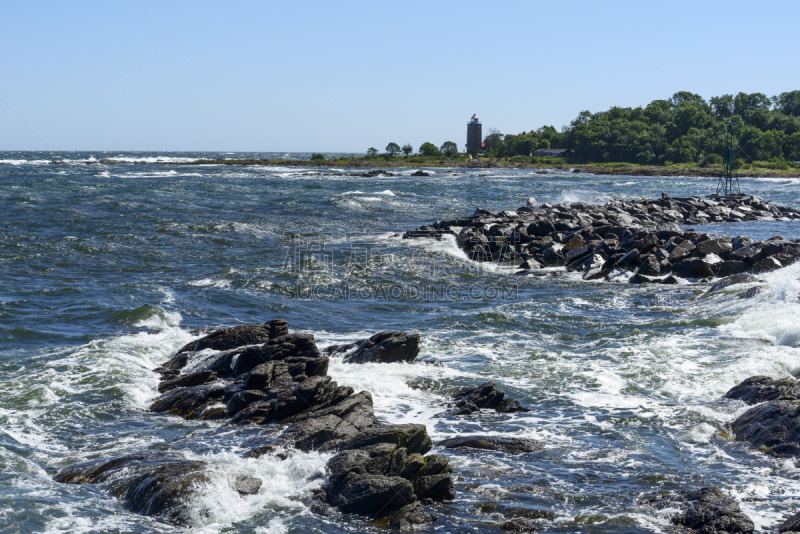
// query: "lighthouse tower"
[[474, 134]]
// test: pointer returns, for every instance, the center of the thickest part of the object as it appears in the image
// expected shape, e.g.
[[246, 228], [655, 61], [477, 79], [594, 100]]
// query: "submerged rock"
[[773, 427], [757, 389], [153, 484], [493, 443], [471, 399], [707, 511]]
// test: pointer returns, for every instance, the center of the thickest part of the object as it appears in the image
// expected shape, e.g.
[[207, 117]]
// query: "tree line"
[[448, 148], [684, 128]]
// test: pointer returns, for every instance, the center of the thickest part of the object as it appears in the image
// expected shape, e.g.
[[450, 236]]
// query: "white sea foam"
[[217, 505], [210, 282]]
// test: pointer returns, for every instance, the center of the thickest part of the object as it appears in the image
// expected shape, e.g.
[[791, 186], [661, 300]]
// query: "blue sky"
[[344, 76]]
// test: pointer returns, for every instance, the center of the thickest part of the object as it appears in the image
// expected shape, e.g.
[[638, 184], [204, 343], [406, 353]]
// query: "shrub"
[[711, 160], [315, 156]]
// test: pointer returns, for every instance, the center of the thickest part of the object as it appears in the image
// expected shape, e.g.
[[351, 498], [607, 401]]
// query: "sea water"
[[106, 270]]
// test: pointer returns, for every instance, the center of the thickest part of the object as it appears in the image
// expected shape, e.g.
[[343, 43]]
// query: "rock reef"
[[264, 375], [640, 236]]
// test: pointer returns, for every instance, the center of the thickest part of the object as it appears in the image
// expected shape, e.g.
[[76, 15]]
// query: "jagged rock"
[[153, 484], [693, 268], [384, 347], [238, 336], [493, 443], [414, 438], [773, 427], [708, 511], [189, 380], [757, 389], [408, 517], [791, 524]]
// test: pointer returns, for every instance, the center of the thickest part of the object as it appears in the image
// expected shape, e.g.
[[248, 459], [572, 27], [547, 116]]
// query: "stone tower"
[[474, 134]]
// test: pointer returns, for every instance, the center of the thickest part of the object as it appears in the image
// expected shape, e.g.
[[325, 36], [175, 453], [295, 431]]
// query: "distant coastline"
[[628, 169]]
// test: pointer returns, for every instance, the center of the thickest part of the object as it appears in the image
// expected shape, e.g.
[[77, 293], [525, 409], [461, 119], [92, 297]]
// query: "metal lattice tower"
[[728, 183]]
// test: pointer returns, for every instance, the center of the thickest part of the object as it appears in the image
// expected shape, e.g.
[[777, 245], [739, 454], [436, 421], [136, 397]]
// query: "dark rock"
[[767, 265], [650, 266], [730, 281], [511, 406], [757, 389], [731, 267], [693, 268], [239, 336], [420, 173], [413, 438], [385, 347], [710, 511], [298, 346], [409, 516], [752, 292], [189, 403], [493, 443], [773, 427], [150, 484], [791, 524], [372, 494], [193, 379], [682, 251]]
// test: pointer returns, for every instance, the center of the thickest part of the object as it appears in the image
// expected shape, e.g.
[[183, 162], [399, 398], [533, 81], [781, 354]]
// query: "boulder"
[[693, 268], [757, 389], [773, 427], [708, 510], [239, 336], [383, 347], [493, 443], [153, 484]]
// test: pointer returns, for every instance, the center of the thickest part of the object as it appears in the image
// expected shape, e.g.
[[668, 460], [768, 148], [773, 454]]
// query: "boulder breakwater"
[[644, 237]]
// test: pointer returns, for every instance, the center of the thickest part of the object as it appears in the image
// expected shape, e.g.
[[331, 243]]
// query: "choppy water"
[[106, 270]]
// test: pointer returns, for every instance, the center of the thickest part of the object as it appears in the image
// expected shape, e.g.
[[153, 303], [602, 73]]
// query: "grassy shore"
[[518, 162]]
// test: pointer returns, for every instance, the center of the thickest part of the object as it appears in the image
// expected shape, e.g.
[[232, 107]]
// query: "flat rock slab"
[[493, 443]]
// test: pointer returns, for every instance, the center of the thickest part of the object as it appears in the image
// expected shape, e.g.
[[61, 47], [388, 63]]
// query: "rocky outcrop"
[[264, 375], [471, 399], [773, 427], [707, 511], [384, 470], [640, 236], [383, 347], [154, 484], [757, 389], [493, 443]]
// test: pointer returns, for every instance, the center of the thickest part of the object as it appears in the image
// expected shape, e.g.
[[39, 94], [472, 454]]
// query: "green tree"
[[789, 103], [315, 156], [407, 149], [372, 151], [392, 149], [722, 105], [493, 139], [429, 149], [449, 148], [792, 146]]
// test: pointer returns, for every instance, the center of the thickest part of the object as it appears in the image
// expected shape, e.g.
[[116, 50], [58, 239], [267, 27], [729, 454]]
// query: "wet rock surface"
[[773, 427], [757, 389], [383, 347], [264, 375], [493, 443], [707, 511], [640, 236], [486, 396]]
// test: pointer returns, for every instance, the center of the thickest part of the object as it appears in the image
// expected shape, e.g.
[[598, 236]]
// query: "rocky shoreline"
[[264, 377], [639, 236]]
